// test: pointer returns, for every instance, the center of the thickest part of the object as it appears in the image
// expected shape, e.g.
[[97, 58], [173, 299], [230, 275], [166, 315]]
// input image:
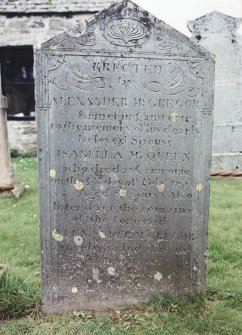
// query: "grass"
[[219, 313]]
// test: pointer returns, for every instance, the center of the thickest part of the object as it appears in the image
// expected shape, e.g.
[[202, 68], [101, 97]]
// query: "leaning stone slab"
[[6, 174], [8, 186], [124, 108]]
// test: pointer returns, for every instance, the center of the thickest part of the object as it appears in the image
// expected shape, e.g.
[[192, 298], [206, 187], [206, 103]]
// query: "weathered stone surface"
[[218, 33], [124, 107]]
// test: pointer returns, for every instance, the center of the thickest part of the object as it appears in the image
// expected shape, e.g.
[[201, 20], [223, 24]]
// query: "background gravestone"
[[6, 174], [125, 124], [218, 33]]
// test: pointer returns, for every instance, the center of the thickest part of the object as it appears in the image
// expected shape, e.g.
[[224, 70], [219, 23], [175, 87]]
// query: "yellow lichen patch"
[[173, 117], [52, 173], [101, 234], [160, 187], [213, 56], [199, 187], [79, 185], [122, 192], [57, 236]]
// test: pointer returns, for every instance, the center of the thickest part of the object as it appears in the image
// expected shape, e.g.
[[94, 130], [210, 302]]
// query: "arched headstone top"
[[213, 23], [125, 25]]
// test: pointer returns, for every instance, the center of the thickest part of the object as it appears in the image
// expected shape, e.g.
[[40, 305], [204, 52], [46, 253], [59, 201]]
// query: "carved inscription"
[[125, 148]]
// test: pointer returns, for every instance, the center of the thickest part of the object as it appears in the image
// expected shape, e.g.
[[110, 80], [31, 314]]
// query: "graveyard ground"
[[219, 313]]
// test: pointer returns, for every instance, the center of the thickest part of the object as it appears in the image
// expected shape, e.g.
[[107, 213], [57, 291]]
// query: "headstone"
[[218, 33], [124, 107]]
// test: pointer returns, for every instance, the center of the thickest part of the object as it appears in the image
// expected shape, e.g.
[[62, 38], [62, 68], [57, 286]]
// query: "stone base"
[[226, 163], [14, 190], [6, 188]]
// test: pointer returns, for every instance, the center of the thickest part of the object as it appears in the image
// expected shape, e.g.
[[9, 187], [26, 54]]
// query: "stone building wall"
[[34, 29], [30, 31], [46, 6], [34, 21], [30, 23], [23, 137]]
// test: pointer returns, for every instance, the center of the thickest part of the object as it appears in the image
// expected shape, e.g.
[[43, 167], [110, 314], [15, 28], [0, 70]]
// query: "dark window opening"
[[18, 81]]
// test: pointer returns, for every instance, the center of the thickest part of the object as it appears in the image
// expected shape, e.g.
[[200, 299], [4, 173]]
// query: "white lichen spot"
[[122, 193], [199, 187], [113, 176], [158, 276], [79, 185], [101, 234], [111, 271], [52, 173], [194, 268], [97, 30], [102, 187], [173, 117], [74, 290], [161, 187], [95, 275], [130, 5], [57, 236], [78, 240]]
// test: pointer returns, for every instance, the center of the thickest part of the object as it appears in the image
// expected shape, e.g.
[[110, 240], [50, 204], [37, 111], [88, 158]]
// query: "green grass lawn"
[[219, 313]]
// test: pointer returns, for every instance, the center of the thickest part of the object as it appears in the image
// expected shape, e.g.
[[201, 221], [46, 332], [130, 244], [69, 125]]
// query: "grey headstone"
[[125, 124], [218, 33]]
